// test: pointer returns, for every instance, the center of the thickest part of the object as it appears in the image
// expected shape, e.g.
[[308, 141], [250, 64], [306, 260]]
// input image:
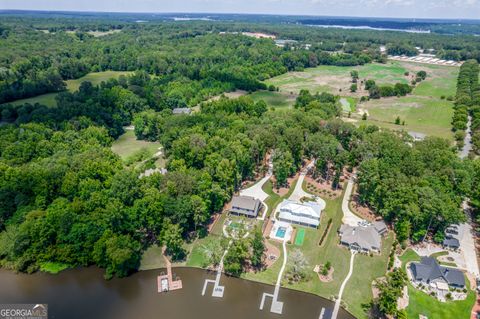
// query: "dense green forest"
[[67, 198], [39, 54]]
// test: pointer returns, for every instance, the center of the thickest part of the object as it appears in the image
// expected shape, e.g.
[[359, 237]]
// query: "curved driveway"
[[349, 218]]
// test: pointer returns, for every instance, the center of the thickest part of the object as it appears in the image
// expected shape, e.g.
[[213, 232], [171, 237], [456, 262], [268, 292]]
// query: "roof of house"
[[307, 212], [245, 202], [365, 237], [307, 208], [151, 171], [451, 242], [380, 226], [429, 269], [182, 110]]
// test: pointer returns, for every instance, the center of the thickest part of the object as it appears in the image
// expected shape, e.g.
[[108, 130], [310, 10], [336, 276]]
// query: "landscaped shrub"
[[329, 224]]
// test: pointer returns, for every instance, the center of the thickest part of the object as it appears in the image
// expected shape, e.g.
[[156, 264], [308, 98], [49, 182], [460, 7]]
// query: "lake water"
[[83, 293]]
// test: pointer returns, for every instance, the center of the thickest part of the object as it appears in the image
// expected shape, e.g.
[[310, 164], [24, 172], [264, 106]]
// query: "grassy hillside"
[[72, 85]]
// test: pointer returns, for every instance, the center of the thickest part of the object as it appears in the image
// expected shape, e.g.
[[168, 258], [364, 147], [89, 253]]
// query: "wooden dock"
[[165, 282]]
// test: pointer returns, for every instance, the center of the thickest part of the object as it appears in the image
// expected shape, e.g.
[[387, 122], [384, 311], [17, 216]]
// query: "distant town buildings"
[[425, 58]]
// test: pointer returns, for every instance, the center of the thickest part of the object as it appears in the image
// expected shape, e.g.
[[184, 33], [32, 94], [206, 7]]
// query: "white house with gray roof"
[[361, 238], [429, 272], [245, 205], [305, 214]]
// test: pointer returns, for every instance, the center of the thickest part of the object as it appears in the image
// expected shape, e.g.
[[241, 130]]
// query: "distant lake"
[[84, 293], [368, 28]]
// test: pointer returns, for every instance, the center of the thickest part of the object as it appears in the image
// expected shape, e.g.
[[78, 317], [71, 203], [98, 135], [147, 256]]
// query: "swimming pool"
[[281, 232]]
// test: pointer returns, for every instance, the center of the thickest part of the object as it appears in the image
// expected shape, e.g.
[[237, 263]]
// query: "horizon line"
[[234, 13]]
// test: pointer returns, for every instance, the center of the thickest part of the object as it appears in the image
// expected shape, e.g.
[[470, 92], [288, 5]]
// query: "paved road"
[[349, 217], [467, 245], [342, 287], [467, 147]]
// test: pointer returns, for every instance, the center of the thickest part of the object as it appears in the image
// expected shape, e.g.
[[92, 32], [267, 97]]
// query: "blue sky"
[[376, 8]]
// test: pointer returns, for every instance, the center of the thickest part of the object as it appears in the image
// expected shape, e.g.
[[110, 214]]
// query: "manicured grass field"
[[300, 237], [274, 99], [422, 304], [72, 85], [127, 145]]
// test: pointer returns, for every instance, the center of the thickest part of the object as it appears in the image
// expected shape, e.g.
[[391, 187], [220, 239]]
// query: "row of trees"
[[467, 101]]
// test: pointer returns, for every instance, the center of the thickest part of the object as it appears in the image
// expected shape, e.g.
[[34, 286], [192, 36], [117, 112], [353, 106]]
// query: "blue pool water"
[[281, 232]]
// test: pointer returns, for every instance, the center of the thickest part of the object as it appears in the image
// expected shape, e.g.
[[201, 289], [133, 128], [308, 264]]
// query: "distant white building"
[[305, 214], [182, 110]]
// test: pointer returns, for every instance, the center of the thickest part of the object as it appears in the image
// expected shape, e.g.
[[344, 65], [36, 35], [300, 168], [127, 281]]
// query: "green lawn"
[[45, 99], [300, 237], [72, 85], [421, 114], [423, 304], [274, 99], [127, 146], [424, 110], [196, 258], [95, 77]]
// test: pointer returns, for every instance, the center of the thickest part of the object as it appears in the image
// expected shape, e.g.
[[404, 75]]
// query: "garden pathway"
[[342, 287]]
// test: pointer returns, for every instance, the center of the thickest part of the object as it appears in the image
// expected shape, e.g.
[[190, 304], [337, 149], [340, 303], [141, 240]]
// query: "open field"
[[421, 114], [275, 99], [72, 85], [95, 77], [424, 111], [45, 99], [423, 304], [337, 79], [127, 145]]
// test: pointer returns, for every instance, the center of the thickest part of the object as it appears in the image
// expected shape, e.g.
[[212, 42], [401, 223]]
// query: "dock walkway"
[[171, 284]]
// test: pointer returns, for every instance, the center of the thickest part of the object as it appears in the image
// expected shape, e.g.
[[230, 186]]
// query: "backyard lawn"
[[127, 146]]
